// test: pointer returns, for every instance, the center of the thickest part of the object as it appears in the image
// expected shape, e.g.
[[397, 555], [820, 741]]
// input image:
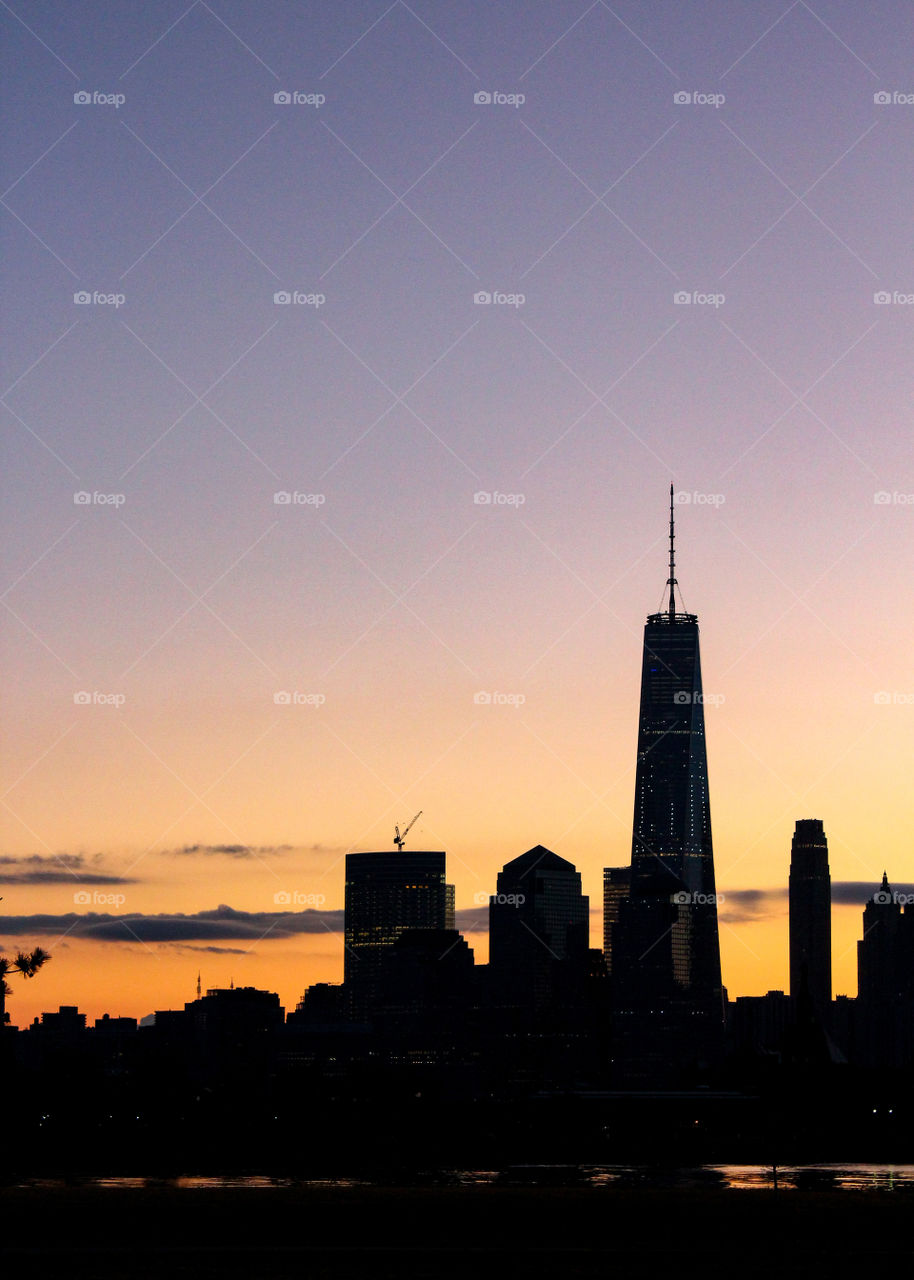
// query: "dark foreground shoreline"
[[379, 1232]]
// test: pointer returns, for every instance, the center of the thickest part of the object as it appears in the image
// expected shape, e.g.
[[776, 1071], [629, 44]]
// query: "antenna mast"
[[671, 580]]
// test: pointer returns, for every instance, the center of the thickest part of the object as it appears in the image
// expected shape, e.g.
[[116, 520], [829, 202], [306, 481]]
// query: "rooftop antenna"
[[671, 580], [198, 984]]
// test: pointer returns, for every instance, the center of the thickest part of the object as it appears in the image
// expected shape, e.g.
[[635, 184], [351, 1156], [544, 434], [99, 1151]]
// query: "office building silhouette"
[[810, 916], [666, 953], [539, 928], [616, 883], [386, 894]]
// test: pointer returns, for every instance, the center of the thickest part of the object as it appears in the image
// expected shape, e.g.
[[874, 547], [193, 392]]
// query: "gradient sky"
[[780, 409]]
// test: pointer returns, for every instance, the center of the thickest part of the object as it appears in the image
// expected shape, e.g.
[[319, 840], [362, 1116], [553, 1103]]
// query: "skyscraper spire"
[[671, 580]]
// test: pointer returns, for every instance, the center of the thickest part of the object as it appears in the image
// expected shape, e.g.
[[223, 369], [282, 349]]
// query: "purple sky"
[[777, 400]]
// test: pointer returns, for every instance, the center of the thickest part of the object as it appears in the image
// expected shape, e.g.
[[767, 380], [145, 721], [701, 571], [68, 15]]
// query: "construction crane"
[[400, 840]]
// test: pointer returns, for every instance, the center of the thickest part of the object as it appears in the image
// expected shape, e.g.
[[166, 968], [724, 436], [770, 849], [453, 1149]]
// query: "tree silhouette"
[[26, 963]]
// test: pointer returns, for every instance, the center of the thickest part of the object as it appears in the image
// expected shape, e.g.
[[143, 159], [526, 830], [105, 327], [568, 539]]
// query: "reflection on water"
[[724, 1177], [821, 1177]]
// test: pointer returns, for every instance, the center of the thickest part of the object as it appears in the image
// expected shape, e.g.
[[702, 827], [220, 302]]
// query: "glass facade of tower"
[[666, 948], [538, 919], [810, 916], [616, 881], [671, 838], [387, 893]]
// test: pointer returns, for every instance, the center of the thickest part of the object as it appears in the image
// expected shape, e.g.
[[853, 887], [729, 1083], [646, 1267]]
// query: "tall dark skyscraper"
[[666, 950], [810, 916], [885, 980], [616, 882], [386, 894], [539, 927]]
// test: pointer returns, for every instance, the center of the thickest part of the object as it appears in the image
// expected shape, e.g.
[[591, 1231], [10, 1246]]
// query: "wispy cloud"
[[63, 868], [220, 924]]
